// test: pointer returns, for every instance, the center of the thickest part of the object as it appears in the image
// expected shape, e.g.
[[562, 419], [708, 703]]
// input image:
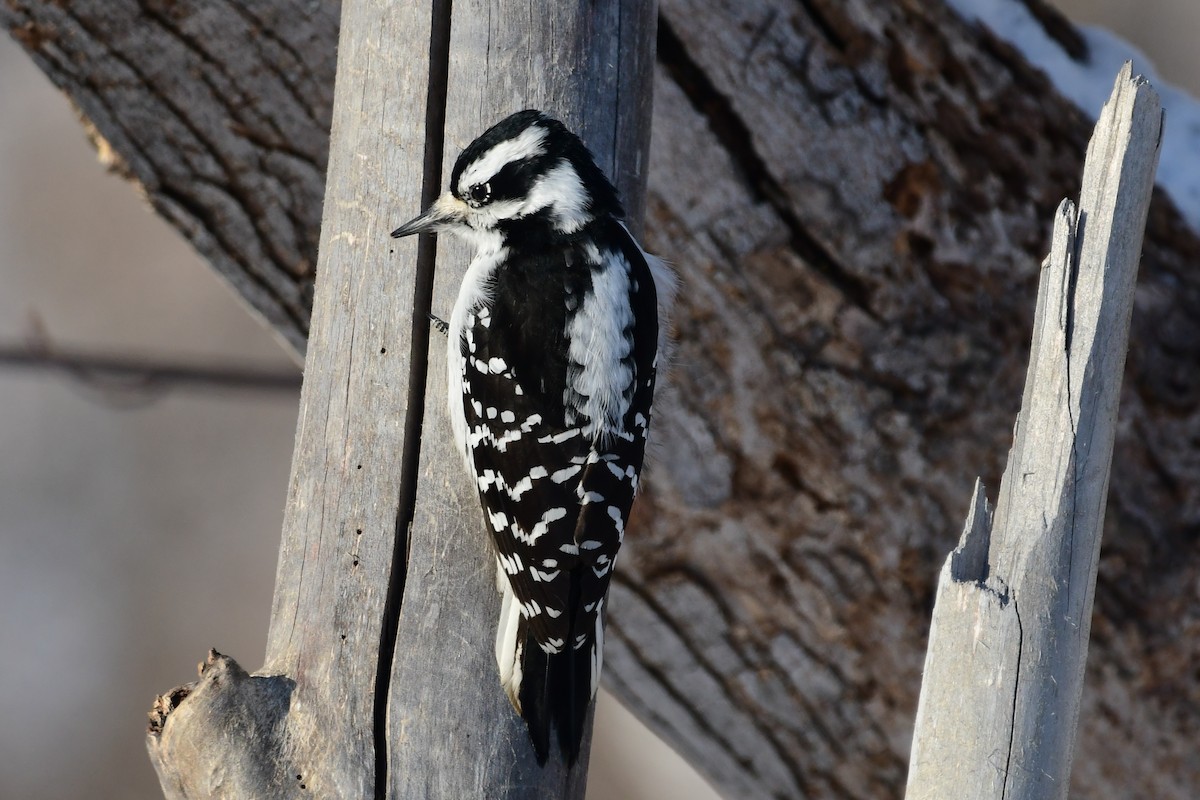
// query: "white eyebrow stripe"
[[528, 144]]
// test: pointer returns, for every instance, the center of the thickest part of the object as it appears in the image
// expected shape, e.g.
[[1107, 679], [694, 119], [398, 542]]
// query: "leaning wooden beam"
[[1008, 644], [380, 678]]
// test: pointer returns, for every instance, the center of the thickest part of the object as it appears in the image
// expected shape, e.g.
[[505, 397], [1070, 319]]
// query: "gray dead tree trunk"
[[380, 678], [854, 193], [1008, 645]]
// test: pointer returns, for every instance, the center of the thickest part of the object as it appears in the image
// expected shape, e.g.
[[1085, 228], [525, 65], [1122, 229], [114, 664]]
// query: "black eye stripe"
[[516, 178]]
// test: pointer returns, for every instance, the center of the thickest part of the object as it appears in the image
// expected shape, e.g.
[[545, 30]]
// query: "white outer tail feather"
[[508, 649], [598, 649]]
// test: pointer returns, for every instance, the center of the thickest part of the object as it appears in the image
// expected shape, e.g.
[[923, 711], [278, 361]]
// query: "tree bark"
[[854, 194]]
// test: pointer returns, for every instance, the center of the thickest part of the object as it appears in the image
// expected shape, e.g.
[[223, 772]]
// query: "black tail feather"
[[537, 704], [574, 690], [556, 692]]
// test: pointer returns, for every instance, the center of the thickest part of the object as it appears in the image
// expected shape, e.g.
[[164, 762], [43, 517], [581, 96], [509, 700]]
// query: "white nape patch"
[[560, 190], [598, 342], [528, 144]]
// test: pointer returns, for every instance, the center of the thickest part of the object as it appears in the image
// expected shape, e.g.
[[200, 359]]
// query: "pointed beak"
[[445, 212]]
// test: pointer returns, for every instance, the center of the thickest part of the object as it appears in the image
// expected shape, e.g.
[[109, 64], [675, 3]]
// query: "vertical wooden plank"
[[590, 65], [1003, 725], [340, 521], [966, 707], [1050, 511]]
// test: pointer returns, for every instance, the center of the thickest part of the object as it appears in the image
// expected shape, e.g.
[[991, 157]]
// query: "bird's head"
[[526, 170]]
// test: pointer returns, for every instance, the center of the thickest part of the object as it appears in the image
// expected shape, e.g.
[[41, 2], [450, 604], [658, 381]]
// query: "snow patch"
[[1089, 83]]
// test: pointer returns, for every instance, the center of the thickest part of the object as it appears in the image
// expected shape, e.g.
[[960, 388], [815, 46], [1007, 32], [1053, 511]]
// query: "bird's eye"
[[479, 194]]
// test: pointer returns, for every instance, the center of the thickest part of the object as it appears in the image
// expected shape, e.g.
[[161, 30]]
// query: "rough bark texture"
[[855, 195]]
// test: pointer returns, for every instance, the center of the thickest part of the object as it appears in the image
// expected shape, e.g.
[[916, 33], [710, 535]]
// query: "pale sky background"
[[136, 532]]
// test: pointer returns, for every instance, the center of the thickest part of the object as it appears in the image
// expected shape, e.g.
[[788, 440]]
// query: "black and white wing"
[[557, 389]]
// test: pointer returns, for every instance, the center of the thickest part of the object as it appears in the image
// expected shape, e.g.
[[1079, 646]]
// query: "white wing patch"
[[597, 333]]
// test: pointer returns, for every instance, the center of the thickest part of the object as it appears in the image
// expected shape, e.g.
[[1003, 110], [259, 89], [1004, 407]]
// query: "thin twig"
[[141, 373]]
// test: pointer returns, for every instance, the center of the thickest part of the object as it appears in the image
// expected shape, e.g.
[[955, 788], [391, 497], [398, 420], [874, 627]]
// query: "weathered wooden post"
[[380, 678], [1008, 644]]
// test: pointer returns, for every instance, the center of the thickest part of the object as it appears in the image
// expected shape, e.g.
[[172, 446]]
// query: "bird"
[[553, 350]]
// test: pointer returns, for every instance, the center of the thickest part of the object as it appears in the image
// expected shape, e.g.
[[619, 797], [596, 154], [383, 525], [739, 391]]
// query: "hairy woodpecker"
[[553, 347]]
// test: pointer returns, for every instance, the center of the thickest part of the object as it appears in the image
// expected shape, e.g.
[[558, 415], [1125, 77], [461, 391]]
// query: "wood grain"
[[1004, 671]]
